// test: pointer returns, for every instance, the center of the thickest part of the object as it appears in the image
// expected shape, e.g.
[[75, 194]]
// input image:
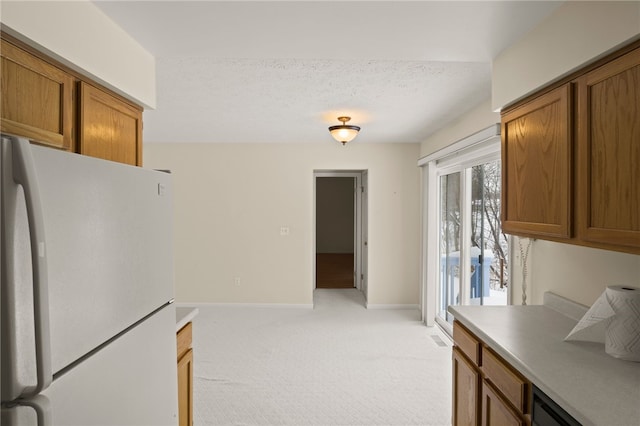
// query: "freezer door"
[[131, 381], [108, 248]]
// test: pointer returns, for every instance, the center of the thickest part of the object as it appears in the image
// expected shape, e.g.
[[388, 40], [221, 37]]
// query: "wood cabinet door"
[[466, 387], [608, 146], [496, 412], [36, 99], [536, 166], [185, 389], [184, 339], [109, 127]]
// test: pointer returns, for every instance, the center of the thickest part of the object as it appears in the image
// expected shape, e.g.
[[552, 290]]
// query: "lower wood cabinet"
[[486, 389], [185, 376], [466, 384], [495, 410]]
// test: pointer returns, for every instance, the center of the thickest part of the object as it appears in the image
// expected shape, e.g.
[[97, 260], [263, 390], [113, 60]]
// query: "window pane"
[[489, 246], [449, 243]]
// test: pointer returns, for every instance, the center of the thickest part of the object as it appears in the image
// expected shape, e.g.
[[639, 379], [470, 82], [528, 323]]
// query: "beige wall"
[[576, 33], [231, 200], [578, 273], [475, 120], [81, 36]]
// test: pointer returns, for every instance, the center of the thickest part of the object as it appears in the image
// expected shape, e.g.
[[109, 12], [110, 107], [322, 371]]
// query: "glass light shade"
[[344, 133]]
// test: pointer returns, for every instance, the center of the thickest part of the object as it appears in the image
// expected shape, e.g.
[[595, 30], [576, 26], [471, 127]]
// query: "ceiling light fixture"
[[342, 132]]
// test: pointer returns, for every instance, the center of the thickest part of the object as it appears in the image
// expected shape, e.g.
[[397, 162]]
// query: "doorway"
[[340, 250], [335, 232]]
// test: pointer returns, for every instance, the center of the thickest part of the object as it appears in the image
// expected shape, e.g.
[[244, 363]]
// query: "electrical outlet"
[[236, 281], [284, 230]]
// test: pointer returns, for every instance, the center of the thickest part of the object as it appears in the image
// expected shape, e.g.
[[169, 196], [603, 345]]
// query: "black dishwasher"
[[548, 413]]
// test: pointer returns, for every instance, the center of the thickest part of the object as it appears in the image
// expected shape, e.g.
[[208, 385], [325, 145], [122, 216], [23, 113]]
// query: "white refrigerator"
[[87, 327]]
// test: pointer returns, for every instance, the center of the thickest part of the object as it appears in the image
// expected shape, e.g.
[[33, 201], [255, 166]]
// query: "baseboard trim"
[[391, 306], [246, 305]]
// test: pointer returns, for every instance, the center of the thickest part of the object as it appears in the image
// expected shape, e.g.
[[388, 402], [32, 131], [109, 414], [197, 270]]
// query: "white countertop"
[[184, 315], [595, 388]]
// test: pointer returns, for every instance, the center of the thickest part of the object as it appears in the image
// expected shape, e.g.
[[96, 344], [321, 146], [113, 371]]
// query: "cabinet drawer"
[[466, 342], [184, 339], [513, 387]]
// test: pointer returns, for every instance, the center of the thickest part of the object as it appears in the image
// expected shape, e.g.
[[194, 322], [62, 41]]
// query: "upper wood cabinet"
[[608, 148], [109, 128], [36, 98], [577, 144], [55, 106], [536, 166]]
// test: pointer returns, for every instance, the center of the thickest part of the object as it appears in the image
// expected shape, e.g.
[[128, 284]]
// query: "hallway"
[[334, 270]]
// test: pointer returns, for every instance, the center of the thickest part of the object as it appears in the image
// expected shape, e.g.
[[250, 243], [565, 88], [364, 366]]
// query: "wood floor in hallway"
[[334, 270]]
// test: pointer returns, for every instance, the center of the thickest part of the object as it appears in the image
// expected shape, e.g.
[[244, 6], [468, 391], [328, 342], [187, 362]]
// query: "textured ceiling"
[[265, 71]]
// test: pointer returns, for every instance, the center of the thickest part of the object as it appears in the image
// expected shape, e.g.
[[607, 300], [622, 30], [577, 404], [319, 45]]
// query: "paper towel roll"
[[614, 319], [622, 336]]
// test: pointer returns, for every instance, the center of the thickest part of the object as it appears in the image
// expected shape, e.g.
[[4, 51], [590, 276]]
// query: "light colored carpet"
[[338, 364]]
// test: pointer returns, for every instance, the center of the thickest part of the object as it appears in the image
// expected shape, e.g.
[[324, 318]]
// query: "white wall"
[[82, 37], [231, 201], [575, 34]]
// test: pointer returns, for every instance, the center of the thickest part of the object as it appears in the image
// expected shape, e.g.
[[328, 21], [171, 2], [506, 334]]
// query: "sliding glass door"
[[472, 248]]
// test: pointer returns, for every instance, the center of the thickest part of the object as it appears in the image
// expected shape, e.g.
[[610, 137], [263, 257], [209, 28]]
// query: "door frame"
[[360, 221]]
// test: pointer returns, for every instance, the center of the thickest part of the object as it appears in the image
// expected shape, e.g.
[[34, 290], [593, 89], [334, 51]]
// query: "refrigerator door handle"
[[41, 406], [24, 174]]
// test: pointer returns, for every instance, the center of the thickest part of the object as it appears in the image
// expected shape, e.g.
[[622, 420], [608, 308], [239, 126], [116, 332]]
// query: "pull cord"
[[524, 255]]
